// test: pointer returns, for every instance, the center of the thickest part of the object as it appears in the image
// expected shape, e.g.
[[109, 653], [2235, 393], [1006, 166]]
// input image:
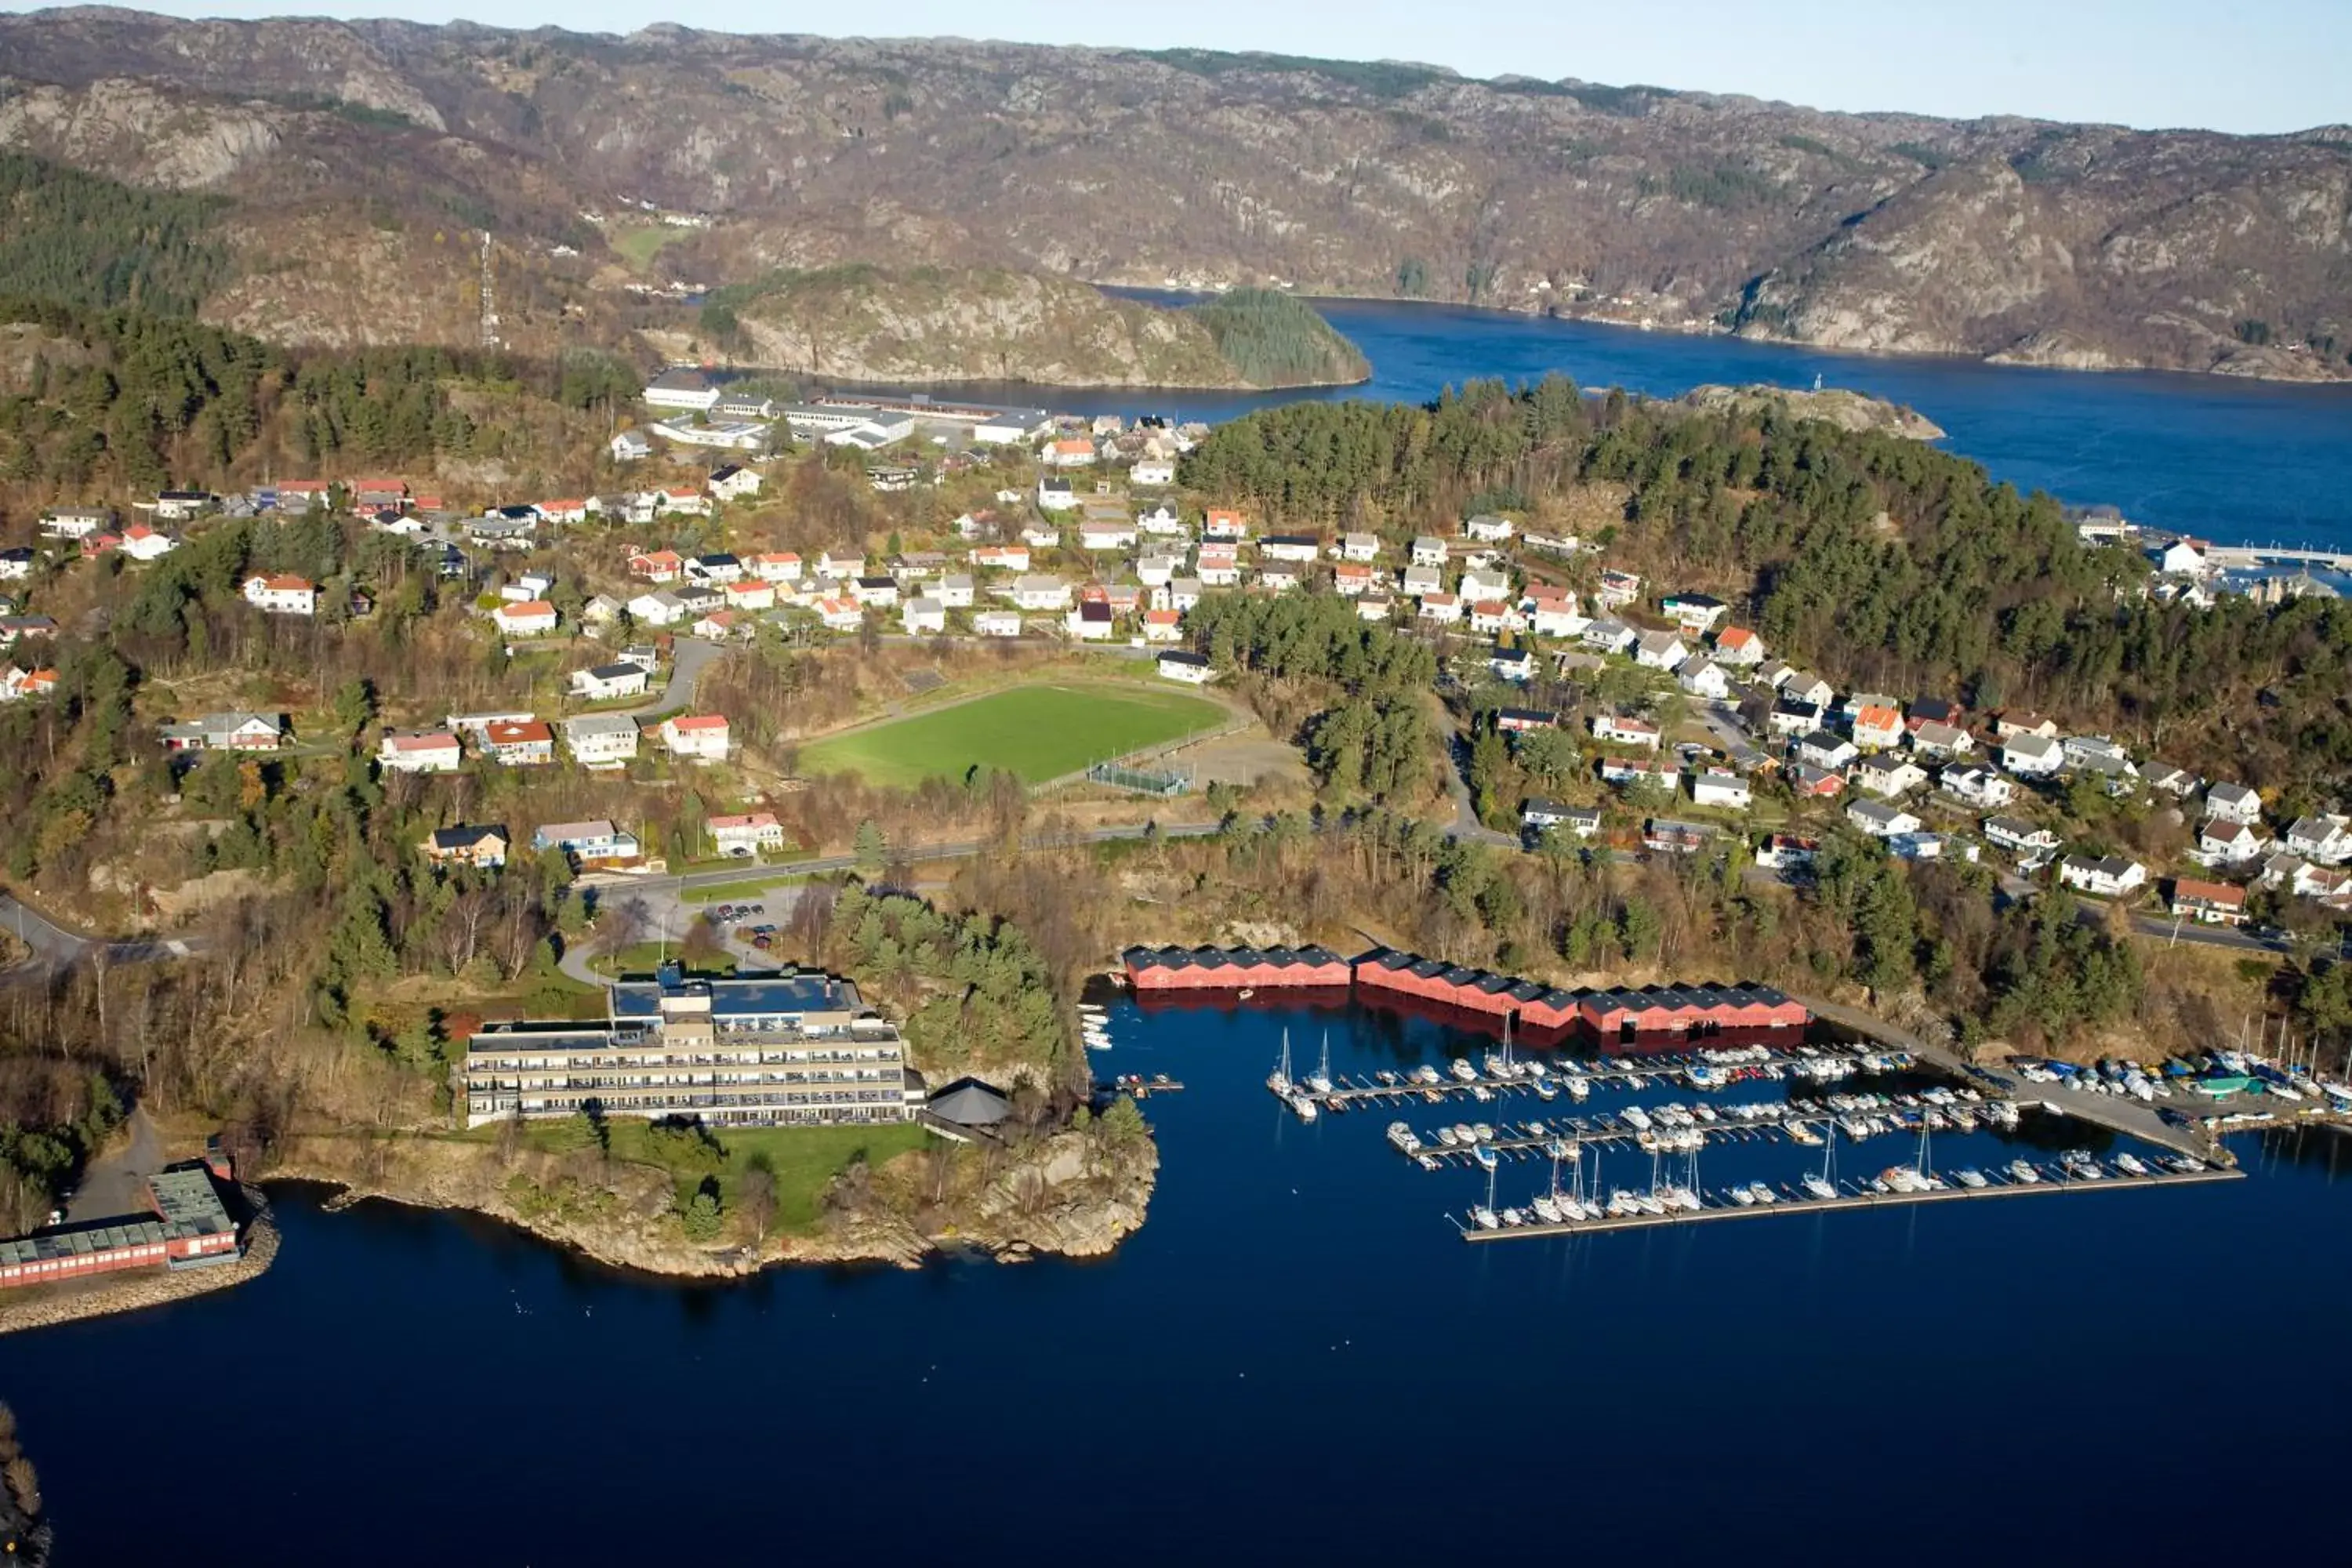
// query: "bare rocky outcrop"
[[1068, 1193], [1846, 410]]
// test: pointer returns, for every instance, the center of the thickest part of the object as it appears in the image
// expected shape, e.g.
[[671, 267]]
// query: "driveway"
[[55, 947], [688, 658], [116, 1184]]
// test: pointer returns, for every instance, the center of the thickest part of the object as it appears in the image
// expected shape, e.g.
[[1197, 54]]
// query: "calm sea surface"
[[1295, 1359], [2241, 461]]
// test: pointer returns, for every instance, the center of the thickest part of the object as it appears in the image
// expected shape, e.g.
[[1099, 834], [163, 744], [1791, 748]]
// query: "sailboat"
[[1279, 1080], [1321, 1082], [1483, 1216], [1499, 1064], [1820, 1186]]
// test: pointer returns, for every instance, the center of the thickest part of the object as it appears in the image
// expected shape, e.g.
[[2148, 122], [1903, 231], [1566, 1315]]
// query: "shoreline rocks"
[[44, 1306]]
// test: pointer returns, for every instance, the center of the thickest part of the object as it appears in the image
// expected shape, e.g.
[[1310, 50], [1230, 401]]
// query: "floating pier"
[[1806, 1203]]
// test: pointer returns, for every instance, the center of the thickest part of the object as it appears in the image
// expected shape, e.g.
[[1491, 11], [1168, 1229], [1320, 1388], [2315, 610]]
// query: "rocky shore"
[[42, 1307], [1057, 1195]]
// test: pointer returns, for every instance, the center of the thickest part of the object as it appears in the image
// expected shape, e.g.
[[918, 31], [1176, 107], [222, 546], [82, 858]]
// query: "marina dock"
[[1802, 1204]]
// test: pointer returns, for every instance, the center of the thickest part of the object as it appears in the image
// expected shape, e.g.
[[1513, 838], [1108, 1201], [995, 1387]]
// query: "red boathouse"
[[1657, 1009], [1234, 968], [188, 1227]]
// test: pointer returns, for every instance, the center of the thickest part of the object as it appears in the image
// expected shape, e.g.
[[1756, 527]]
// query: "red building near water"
[[1232, 968], [1658, 1009]]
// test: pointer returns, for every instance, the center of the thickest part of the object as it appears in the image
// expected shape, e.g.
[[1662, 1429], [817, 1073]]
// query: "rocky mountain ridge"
[[365, 158]]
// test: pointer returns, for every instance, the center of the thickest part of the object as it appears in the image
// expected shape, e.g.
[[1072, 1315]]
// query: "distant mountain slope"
[[2074, 245]]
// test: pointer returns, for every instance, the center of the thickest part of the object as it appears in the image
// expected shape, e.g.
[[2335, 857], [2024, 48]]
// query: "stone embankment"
[[41, 1307]]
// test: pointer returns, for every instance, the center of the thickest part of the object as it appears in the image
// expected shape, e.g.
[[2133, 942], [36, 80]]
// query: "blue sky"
[[2254, 66]]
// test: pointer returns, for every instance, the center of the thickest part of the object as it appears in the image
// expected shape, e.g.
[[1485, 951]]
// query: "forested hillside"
[[94, 399], [82, 240], [1888, 564]]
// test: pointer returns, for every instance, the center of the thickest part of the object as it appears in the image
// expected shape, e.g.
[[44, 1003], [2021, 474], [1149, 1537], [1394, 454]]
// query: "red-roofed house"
[[698, 737], [1738, 646], [282, 595], [520, 743], [529, 618], [656, 565]]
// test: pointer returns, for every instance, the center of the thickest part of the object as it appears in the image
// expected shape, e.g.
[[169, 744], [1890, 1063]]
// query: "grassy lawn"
[[645, 957], [639, 245], [802, 1158], [748, 888], [1039, 731]]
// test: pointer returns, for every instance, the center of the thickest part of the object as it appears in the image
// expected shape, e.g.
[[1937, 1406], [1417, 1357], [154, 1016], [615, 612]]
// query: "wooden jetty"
[[1844, 1201]]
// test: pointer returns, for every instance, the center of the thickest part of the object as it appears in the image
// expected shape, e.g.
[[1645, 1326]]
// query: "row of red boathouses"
[[1656, 1009]]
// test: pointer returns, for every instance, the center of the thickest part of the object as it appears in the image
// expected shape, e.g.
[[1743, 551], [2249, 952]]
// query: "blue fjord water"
[[2240, 461], [1294, 1359]]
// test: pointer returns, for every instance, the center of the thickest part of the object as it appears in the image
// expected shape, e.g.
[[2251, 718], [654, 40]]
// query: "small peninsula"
[[935, 324]]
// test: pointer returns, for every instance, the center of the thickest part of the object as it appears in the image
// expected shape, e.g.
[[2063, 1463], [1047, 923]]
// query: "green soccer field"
[[1038, 731]]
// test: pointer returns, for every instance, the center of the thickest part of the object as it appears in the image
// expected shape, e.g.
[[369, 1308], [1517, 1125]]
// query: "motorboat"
[[1513, 1217], [1481, 1094], [1446, 1135], [1763, 1194], [1633, 1116], [2024, 1172], [1548, 1208], [1303, 1106], [1484, 1218], [1462, 1072], [1485, 1156], [1743, 1196], [1970, 1178], [1546, 1091]]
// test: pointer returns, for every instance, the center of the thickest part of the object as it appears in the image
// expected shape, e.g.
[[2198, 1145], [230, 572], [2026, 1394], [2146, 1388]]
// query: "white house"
[[601, 741], [1513, 664], [1221, 524], [630, 447], [1702, 677], [1056, 495], [529, 585], [741, 836], [526, 618], [1715, 786], [283, 594], [1889, 776], [838, 613], [840, 567], [1625, 732], [606, 682], [953, 590], [1480, 583], [1880, 820], [1359, 546], [1660, 650], [1937, 739], [1978, 786], [1153, 472], [923, 616], [1161, 522], [1826, 750], [1739, 647], [142, 542], [1417, 582], [660, 609], [2226, 843], [2032, 756], [76, 521], [1805, 686], [2326, 839], [1296, 547], [2182, 558], [435, 751], [2233, 802], [698, 737], [2029, 840], [1695, 613], [1190, 668], [1040, 591], [996, 624], [1609, 635], [732, 482], [1487, 528], [1444, 608], [2109, 877], [1428, 550]]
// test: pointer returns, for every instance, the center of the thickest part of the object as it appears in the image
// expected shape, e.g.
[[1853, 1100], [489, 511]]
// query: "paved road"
[[55, 946], [117, 1183], [688, 658]]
